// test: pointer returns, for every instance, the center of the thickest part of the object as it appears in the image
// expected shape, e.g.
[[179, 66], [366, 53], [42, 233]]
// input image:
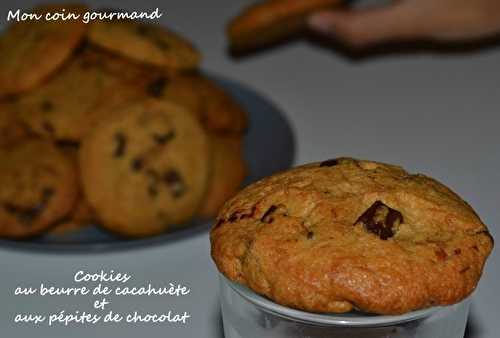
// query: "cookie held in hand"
[[268, 22], [32, 50], [145, 43], [227, 172]]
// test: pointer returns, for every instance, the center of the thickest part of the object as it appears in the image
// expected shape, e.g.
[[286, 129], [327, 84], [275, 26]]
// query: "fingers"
[[362, 28]]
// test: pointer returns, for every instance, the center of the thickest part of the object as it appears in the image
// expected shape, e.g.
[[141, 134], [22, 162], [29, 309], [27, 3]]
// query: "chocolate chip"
[[47, 106], [329, 163], [464, 270], [23, 215], [48, 127], [137, 164], [161, 139], [310, 235], [457, 251], [26, 215], [175, 183], [441, 254], [380, 220], [121, 143], [267, 217], [47, 194], [157, 86]]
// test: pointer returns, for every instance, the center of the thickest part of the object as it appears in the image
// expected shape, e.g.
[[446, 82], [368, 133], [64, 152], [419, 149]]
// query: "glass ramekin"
[[248, 315]]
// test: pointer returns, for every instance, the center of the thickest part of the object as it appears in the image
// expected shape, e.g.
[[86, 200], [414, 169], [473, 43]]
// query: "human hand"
[[439, 20]]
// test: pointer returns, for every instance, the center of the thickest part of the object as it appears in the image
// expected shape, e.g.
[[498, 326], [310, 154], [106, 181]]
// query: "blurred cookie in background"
[[32, 50], [227, 172], [39, 187], [145, 168], [215, 109]]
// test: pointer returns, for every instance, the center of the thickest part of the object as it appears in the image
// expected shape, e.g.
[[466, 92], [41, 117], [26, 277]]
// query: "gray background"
[[431, 112]]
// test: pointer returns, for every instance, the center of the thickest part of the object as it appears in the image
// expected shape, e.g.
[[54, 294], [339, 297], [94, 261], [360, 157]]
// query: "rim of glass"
[[351, 319]]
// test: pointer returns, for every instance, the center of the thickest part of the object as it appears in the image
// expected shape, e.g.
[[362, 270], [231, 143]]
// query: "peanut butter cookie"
[[349, 234]]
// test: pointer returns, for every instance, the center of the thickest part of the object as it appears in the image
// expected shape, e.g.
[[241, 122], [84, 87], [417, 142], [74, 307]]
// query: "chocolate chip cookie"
[[32, 50], [349, 234], [268, 22], [216, 109], [81, 217], [39, 187], [146, 43], [64, 108], [145, 168], [227, 172]]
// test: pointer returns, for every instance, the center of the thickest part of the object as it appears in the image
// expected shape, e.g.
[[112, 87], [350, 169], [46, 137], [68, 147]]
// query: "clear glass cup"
[[248, 315]]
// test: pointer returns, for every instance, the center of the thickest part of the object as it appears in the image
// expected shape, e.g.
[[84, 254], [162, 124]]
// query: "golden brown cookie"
[[268, 22], [32, 50], [348, 234], [39, 187], [145, 168], [146, 43], [215, 108], [227, 172], [64, 108]]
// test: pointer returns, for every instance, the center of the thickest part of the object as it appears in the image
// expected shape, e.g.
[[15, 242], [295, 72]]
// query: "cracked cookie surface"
[[145, 168], [347, 234]]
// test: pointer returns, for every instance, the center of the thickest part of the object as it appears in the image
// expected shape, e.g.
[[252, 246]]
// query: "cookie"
[[32, 50], [145, 168], [37, 190], [82, 216], [64, 107], [267, 22], [227, 172], [216, 109], [12, 129], [348, 234], [145, 43]]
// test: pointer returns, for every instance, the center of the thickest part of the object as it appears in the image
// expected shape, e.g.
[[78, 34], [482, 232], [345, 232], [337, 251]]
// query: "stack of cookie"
[[110, 123]]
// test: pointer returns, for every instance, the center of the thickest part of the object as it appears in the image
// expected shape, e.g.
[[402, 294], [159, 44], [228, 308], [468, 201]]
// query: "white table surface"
[[433, 113]]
